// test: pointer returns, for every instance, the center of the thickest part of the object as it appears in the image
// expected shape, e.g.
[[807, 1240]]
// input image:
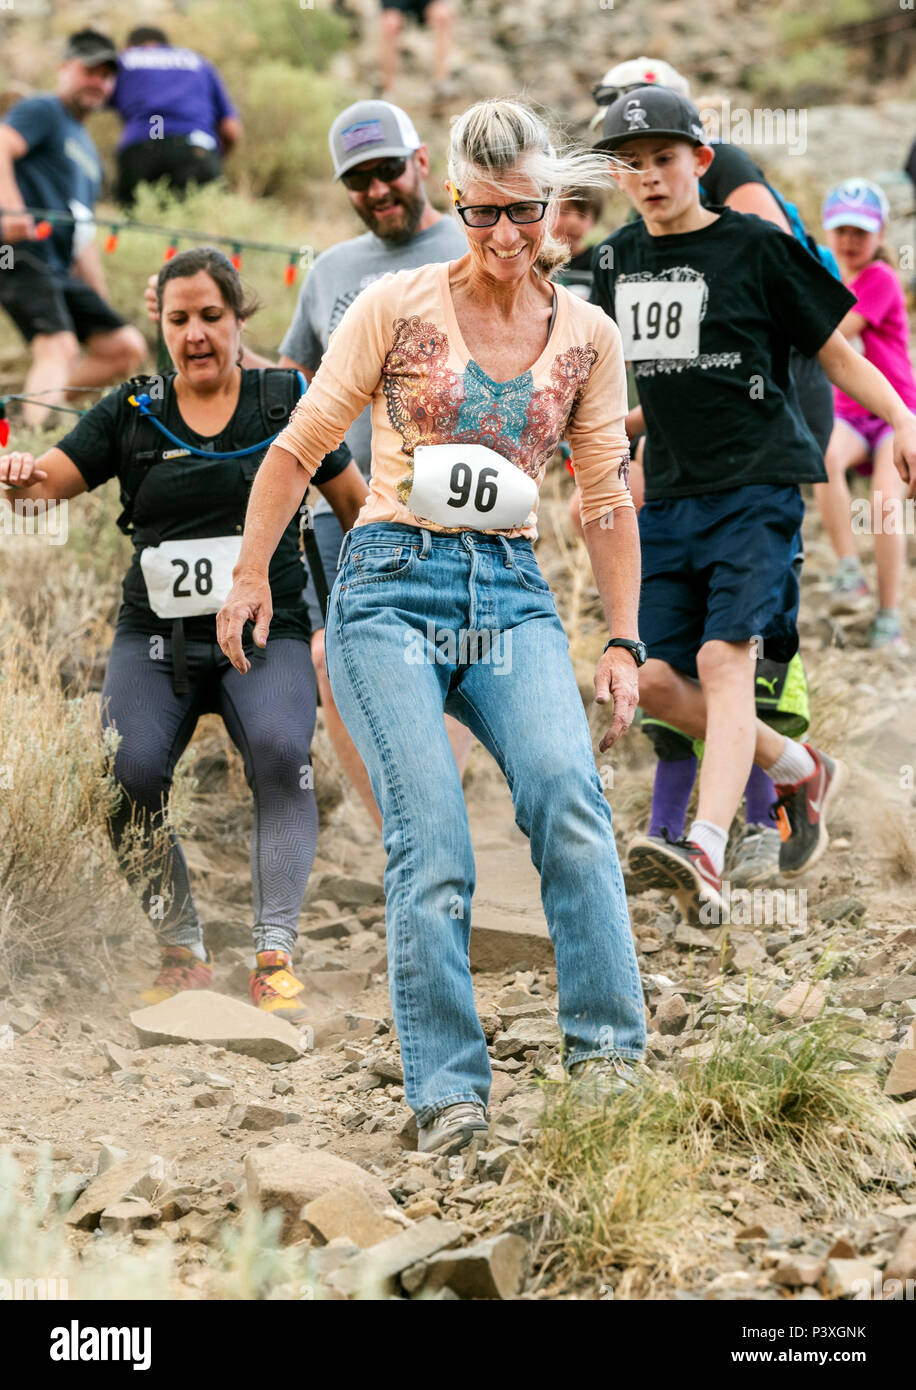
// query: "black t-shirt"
[[731, 168], [708, 320], [178, 498]]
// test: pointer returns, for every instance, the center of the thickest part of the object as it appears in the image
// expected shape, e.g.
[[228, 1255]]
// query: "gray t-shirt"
[[335, 280]]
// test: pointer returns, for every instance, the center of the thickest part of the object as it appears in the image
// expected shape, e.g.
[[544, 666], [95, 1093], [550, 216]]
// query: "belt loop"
[[427, 543], [508, 549]]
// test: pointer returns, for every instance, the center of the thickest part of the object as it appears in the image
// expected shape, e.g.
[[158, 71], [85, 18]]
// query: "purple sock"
[[671, 794], [759, 796]]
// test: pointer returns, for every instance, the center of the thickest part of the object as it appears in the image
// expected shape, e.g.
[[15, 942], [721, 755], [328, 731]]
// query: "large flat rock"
[[116, 1184], [501, 940], [202, 1016], [901, 1079], [508, 927], [289, 1178]]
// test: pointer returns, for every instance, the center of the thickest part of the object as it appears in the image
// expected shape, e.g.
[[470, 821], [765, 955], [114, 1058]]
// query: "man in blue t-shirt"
[[53, 288], [178, 117]]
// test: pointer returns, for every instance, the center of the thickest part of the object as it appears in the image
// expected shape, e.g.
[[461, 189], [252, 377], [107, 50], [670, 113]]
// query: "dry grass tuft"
[[618, 1186]]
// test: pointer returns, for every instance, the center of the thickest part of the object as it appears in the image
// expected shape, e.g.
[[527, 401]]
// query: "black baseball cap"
[[650, 111], [91, 48]]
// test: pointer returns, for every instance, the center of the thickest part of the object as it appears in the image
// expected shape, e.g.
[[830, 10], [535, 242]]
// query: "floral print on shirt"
[[428, 403]]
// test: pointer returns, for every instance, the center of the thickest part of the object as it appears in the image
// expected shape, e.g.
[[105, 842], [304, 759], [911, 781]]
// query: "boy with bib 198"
[[710, 303]]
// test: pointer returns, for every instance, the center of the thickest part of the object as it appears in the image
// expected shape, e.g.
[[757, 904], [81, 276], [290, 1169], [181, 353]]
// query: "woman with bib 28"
[[185, 448], [476, 370]]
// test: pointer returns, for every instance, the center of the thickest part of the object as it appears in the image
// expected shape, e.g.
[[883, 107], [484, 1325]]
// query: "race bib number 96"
[[470, 485], [185, 579], [659, 318]]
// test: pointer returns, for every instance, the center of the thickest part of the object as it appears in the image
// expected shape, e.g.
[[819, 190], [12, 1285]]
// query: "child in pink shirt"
[[855, 214]]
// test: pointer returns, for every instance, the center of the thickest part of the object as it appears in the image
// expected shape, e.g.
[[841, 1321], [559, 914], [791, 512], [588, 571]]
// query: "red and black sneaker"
[[273, 987], [179, 969], [683, 869], [801, 810]]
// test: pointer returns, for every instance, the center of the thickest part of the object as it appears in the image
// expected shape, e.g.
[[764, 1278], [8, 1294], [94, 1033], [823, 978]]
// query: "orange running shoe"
[[179, 969], [274, 988]]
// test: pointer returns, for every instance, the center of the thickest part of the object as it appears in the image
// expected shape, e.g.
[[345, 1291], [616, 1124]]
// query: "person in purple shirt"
[[178, 117]]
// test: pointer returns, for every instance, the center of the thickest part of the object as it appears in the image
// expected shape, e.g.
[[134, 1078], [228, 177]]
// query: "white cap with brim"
[[371, 130], [638, 72]]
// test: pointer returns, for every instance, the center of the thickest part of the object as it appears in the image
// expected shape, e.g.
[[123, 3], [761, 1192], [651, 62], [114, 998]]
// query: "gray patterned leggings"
[[270, 716]]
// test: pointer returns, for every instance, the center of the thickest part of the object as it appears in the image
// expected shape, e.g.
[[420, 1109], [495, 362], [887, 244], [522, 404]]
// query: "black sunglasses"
[[606, 96], [487, 216], [387, 170]]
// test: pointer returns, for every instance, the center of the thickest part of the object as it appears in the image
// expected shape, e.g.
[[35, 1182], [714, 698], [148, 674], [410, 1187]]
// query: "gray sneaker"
[[604, 1078], [756, 858], [849, 592], [453, 1128]]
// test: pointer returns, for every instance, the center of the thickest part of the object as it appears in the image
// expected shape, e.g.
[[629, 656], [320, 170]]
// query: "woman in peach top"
[[476, 370]]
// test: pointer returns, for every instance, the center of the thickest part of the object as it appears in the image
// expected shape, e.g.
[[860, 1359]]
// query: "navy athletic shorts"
[[719, 567], [40, 299]]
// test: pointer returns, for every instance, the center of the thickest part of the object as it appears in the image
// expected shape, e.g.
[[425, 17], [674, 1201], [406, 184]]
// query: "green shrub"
[[812, 75], [239, 37]]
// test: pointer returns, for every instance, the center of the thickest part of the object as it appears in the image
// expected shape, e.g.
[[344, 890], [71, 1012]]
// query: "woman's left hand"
[[248, 601], [617, 677], [905, 452]]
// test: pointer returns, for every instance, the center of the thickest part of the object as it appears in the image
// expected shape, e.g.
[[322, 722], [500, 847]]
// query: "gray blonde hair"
[[501, 141]]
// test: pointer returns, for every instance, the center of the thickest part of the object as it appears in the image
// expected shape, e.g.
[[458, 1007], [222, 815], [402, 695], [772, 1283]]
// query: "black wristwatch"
[[637, 650]]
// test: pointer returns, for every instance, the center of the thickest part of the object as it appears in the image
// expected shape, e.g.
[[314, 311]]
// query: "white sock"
[[199, 950], [794, 764], [711, 838]]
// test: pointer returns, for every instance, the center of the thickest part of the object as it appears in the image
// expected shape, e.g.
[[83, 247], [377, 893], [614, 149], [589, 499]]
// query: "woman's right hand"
[[248, 601], [19, 470]]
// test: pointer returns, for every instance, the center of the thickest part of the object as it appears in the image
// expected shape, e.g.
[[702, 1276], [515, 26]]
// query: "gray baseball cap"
[[370, 130]]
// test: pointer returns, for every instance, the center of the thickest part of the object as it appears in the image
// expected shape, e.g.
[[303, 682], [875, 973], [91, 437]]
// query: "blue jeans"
[[421, 623]]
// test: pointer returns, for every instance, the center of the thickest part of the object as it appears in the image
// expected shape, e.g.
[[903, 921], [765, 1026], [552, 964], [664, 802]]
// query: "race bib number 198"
[[659, 318]]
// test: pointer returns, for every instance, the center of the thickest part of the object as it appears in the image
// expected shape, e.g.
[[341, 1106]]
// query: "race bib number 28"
[[470, 485], [659, 318], [185, 579]]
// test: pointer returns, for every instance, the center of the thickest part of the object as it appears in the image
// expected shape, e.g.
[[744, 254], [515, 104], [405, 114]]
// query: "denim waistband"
[[425, 541]]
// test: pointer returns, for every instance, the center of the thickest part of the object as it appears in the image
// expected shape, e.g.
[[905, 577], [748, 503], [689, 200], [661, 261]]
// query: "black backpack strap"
[[136, 462], [279, 391]]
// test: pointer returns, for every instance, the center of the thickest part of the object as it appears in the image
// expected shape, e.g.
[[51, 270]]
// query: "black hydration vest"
[[143, 447]]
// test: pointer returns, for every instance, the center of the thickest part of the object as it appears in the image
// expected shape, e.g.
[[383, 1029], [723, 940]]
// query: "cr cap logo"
[[635, 115]]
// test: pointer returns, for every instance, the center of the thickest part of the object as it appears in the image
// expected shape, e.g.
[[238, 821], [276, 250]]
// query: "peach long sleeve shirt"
[[399, 347]]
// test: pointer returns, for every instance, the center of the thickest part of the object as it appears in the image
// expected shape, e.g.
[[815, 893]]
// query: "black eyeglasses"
[[387, 170], [486, 216]]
